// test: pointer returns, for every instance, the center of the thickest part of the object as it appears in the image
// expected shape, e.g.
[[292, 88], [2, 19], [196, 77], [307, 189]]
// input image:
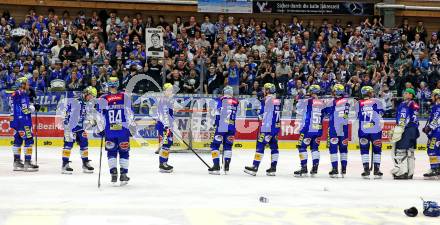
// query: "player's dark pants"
[[265, 138], [409, 138], [80, 137], [225, 138], [341, 143], [313, 141], [115, 146], [23, 134], [166, 135], [434, 151], [375, 140]]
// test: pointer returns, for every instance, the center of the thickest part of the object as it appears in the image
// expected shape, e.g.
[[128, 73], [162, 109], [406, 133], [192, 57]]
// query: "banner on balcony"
[[317, 7], [225, 6]]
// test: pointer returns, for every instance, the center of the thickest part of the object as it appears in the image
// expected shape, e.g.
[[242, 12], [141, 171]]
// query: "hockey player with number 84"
[[115, 107]]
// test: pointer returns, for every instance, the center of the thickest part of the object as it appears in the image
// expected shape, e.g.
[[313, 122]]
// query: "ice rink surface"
[[190, 196]]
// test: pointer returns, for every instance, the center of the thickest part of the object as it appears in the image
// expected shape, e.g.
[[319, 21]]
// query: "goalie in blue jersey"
[[225, 115], [269, 116]]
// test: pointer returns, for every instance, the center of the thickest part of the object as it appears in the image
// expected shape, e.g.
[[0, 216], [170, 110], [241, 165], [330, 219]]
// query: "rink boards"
[[198, 134]]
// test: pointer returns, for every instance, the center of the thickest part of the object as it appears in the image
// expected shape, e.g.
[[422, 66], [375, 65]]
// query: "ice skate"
[[314, 170], [431, 174], [333, 173], [343, 172], [18, 165], [271, 171], [377, 174], [215, 170], [114, 173], [87, 168], [165, 168], [226, 166], [124, 179], [251, 170], [301, 173], [29, 167], [366, 173], [66, 169]]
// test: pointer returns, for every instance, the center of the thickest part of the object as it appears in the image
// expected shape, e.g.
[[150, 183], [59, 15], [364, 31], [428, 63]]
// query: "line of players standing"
[[111, 117], [369, 111]]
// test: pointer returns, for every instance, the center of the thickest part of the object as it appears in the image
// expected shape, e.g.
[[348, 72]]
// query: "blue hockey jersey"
[[118, 115], [165, 112], [369, 113], [407, 114], [20, 110], [270, 114], [434, 120], [76, 112], [337, 111], [226, 114], [312, 112]]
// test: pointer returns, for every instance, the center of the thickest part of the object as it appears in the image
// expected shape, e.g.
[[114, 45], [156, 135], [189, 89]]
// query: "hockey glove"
[[427, 130], [397, 134]]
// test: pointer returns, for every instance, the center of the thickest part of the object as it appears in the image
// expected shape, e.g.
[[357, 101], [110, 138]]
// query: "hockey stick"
[[190, 148], [100, 162], [36, 137]]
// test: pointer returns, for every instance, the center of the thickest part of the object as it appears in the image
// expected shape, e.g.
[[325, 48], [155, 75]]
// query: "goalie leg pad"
[[400, 159], [411, 162]]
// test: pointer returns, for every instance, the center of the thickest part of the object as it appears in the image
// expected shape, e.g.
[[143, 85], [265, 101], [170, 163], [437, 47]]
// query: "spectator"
[[68, 52]]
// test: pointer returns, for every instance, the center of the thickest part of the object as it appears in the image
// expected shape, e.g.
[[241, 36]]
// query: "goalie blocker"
[[405, 136]]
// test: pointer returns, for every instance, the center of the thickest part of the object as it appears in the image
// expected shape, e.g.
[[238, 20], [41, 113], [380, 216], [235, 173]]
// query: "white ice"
[[192, 197]]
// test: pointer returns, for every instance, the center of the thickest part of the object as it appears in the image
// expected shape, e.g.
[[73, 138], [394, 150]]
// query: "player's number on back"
[[115, 116], [368, 116]]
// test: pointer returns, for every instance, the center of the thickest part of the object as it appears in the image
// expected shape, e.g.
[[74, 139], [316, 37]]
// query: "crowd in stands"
[[56, 49]]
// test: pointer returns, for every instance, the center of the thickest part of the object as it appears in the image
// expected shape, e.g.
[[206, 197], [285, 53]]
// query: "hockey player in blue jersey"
[[115, 107], [432, 130], [369, 112], [405, 135], [269, 116], [313, 111], [164, 126], [337, 111], [21, 122], [225, 115], [78, 118]]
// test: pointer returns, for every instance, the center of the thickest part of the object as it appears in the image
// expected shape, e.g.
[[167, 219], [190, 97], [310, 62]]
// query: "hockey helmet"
[[366, 89], [436, 92], [314, 89], [339, 89], [22, 80], [228, 90], [167, 86], [90, 91], [270, 88], [113, 82], [411, 212], [411, 91]]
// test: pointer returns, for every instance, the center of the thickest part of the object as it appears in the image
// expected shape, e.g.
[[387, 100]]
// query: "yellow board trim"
[[153, 144]]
